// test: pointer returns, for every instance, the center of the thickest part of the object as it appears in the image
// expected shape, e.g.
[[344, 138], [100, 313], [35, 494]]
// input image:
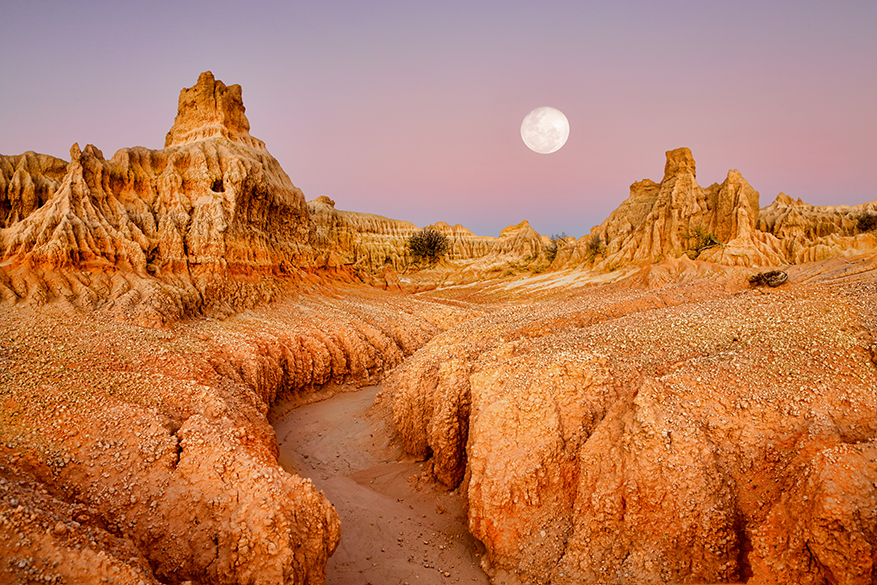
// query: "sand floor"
[[395, 528]]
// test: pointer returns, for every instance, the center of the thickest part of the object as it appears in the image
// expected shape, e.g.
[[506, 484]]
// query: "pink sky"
[[412, 109]]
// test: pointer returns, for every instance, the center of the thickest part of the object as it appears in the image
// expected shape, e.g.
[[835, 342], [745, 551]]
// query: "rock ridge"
[[210, 223]]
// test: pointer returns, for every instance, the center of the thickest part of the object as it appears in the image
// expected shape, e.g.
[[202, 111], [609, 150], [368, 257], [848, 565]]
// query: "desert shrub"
[[593, 246], [699, 239], [551, 250], [772, 278], [428, 245], [867, 222]]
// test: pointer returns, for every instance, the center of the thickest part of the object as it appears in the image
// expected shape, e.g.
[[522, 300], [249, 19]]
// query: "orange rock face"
[[687, 433], [208, 222], [132, 455]]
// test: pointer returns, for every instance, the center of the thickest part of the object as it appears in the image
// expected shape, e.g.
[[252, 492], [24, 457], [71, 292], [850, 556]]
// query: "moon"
[[545, 130]]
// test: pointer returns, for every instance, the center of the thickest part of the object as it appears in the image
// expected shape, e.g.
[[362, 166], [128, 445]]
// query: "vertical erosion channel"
[[396, 526]]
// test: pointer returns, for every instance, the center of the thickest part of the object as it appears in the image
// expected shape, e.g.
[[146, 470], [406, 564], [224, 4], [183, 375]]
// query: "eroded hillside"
[[621, 408], [698, 432], [145, 455]]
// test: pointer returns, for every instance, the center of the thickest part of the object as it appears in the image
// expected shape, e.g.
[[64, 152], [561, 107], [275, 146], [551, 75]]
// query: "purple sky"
[[412, 109]]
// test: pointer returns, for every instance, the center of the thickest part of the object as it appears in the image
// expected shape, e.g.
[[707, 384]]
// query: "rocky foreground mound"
[[701, 432], [134, 455]]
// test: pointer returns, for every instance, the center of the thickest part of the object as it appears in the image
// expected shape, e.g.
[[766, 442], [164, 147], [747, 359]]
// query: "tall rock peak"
[[209, 109], [679, 161]]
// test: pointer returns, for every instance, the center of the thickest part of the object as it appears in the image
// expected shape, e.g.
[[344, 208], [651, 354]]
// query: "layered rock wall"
[[375, 243], [208, 221]]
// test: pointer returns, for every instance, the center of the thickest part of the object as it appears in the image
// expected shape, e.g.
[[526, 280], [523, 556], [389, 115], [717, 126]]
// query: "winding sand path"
[[394, 528]]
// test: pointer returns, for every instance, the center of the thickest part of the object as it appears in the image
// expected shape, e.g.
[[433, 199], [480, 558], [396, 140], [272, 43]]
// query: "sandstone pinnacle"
[[679, 161], [208, 109]]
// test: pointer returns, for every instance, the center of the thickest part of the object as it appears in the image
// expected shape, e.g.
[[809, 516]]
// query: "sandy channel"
[[395, 527]]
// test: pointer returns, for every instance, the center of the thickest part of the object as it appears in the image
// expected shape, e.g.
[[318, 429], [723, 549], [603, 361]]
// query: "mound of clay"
[[155, 234], [687, 434]]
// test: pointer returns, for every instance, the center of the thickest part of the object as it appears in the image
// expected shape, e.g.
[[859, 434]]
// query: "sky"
[[412, 109]]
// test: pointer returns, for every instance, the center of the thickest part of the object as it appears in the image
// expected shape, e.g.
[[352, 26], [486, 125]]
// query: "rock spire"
[[209, 109]]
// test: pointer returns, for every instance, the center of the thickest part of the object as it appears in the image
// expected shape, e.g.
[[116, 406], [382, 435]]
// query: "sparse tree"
[[551, 250], [867, 222], [594, 246], [428, 245]]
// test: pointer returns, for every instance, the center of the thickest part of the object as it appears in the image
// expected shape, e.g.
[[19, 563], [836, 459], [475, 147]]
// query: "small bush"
[[594, 245], [551, 251], [428, 245], [867, 222], [699, 239]]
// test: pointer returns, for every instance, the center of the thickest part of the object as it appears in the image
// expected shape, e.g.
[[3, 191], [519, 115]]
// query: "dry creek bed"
[[396, 527]]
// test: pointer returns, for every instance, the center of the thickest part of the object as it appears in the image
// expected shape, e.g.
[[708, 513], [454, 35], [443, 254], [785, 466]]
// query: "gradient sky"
[[412, 109]]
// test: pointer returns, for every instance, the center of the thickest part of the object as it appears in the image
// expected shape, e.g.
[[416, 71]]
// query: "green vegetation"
[[551, 250], [428, 245], [698, 239]]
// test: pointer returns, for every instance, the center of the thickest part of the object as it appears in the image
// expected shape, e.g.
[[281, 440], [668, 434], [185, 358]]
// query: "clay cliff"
[[699, 432], [207, 222], [375, 244], [721, 224]]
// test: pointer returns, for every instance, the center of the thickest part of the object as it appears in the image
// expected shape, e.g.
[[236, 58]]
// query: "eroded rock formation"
[[377, 244], [648, 431], [155, 234], [810, 232], [132, 455], [667, 219], [683, 434], [721, 224]]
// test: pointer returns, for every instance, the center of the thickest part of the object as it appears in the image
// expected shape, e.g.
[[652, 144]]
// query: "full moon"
[[545, 130]]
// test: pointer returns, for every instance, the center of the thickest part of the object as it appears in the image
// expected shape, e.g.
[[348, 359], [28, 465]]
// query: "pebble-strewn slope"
[[699, 432], [134, 455]]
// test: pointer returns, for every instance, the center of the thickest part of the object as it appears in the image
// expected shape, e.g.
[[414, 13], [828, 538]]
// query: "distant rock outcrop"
[[722, 224], [676, 216], [810, 233], [156, 234], [376, 244], [348, 238]]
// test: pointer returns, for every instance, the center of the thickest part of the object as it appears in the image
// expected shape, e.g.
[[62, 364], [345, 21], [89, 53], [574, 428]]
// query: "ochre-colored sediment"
[[621, 408], [155, 235], [700, 432], [134, 454]]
